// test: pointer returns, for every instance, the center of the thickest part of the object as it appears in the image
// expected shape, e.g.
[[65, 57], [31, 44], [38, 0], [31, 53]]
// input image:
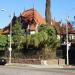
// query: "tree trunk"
[[48, 12]]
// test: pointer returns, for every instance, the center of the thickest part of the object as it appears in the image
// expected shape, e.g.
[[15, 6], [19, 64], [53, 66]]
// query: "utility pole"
[[67, 42], [10, 48], [10, 34]]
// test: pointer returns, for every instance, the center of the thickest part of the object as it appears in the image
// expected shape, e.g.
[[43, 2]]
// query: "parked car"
[[2, 61]]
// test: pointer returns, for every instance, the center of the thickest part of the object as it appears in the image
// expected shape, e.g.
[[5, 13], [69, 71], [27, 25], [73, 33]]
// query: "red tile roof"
[[6, 30], [29, 14]]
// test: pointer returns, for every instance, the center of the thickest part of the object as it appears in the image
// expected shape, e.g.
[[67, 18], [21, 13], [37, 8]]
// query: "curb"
[[34, 66], [39, 66]]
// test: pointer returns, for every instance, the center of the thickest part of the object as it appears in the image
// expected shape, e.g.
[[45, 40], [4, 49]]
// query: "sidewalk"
[[46, 66], [34, 66]]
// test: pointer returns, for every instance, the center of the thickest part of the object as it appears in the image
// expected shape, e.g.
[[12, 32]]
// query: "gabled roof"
[[32, 13], [29, 15], [6, 29], [61, 29], [71, 30]]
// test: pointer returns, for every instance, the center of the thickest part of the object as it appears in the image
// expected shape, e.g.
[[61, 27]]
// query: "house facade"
[[31, 19]]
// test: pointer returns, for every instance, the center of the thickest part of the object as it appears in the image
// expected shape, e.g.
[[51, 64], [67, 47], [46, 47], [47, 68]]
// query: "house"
[[31, 19]]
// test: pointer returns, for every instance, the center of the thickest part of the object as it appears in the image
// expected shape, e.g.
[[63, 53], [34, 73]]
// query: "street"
[[16, 70]]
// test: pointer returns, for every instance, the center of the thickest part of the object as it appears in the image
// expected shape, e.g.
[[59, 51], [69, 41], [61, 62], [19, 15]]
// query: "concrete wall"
[[53, 62]]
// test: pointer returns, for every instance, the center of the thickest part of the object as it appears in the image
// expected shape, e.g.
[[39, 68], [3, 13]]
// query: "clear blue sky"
[[59, 8]]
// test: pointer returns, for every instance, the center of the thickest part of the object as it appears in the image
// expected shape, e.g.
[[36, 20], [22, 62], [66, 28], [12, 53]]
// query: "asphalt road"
[[14, 70]]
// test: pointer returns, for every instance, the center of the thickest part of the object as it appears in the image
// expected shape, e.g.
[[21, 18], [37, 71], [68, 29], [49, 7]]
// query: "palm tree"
[[48, 12]]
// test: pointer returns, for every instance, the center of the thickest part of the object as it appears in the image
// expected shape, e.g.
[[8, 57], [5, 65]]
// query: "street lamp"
[[67, 42], [10, 48], [3, 10]]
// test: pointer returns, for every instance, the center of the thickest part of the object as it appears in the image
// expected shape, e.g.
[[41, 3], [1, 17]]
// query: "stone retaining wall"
[[26, 61], [38, 61], [56, 61]]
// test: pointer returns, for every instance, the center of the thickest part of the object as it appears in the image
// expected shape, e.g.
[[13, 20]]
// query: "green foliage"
[[3, 42], [37, 39], [45, 39], [51, 36], [51, 43], [50, 33], [43, 28], [18, 34], [40, 39]]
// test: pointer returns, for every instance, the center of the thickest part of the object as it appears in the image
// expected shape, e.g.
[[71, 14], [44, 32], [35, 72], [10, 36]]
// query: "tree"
[[18, 34], [37, 39], [51, 43], [48, 12], [50, 31], [40, 39], [3, 42]]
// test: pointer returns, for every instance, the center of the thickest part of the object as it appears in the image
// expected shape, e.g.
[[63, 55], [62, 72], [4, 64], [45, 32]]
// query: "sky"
[[59, 9]]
